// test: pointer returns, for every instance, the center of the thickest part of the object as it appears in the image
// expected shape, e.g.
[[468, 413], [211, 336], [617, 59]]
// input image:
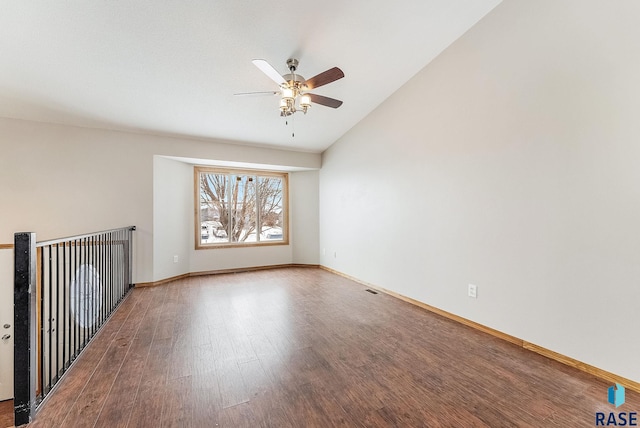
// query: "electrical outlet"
[[335, 254], [473, 291], [324, 251], [175, 259]]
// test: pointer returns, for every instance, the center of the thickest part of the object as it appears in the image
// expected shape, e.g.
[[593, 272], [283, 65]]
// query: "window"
[[237, 208]]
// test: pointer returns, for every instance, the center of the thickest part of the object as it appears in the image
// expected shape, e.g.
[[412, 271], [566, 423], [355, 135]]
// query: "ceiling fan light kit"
[[294, 95]]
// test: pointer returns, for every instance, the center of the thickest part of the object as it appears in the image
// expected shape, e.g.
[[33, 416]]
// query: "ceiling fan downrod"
[[292, 63]]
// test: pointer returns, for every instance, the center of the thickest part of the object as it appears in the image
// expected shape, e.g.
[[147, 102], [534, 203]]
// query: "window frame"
[[284, 176]]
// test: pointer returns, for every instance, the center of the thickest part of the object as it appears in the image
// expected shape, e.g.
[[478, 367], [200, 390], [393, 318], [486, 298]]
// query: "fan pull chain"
[[293, 126]]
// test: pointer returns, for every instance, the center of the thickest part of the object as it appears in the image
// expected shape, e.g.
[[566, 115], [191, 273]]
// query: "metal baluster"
[[70, 319], [93, 291], [64, 307], [85, 251], [103, 277], [73, 290], [50, 251], [41, 326], [110, 262], [57, 319]]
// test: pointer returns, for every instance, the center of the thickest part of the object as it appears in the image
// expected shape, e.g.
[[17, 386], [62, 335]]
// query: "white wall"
[[60, 180], [172, 217], [510, 162], [304, 218]]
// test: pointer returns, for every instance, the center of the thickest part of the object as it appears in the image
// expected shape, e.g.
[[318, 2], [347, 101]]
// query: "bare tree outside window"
[[271, 198], [237, 207]]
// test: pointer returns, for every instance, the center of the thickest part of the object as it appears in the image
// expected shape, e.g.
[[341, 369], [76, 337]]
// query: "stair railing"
[[64, 291]]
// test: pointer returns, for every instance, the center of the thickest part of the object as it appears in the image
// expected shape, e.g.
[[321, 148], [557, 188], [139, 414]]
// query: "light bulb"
[[288, 94], [305, 101]]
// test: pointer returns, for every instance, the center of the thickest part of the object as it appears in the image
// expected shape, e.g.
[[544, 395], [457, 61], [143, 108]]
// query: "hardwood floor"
[[302, 347], [6, 413]]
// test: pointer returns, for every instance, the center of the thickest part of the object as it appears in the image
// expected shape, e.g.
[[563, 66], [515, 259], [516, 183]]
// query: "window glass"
[[214, 208], [271, 213], [240, 208], [243, 208]]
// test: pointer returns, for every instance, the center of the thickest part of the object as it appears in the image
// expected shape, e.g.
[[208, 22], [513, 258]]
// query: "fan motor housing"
[[294, 78]]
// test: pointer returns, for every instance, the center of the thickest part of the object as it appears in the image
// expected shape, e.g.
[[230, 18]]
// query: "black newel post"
[[23, 326]]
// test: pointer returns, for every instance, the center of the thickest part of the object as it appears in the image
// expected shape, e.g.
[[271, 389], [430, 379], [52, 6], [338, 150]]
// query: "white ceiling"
[[172, 66]]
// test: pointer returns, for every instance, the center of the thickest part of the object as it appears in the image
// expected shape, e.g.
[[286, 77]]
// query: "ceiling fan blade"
[[325, 77], [325, 101], [267, 69], [251, 94]]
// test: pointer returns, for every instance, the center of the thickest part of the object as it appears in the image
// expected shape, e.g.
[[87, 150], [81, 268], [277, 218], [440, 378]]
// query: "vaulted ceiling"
[[171, 67]]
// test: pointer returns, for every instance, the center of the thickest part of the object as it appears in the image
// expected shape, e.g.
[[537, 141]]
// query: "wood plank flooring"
[[302, 347], [6, 413]]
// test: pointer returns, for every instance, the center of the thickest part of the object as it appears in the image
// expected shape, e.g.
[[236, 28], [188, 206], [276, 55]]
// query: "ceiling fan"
[[294, 88]]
